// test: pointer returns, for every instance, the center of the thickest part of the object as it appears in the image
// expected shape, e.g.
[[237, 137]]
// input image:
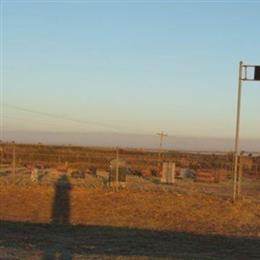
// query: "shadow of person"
[[61, 202]]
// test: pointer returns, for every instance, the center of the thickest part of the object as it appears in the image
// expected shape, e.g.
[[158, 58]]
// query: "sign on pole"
[[244, 75], [257, 73]]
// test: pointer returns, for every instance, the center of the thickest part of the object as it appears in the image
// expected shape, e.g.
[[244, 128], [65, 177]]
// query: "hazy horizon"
[[110, 139]]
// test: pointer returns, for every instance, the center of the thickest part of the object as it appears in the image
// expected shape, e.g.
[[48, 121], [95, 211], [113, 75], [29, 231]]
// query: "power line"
[[116, 128], [36, 120]]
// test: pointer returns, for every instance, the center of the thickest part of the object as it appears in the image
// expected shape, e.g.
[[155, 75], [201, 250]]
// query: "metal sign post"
[[243, 69], [237, 131]]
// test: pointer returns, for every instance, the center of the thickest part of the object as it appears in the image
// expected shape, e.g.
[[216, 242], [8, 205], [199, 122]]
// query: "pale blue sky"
[[133, 67]]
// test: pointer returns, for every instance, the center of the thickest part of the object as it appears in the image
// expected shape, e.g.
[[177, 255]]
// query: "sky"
[[129, 66]]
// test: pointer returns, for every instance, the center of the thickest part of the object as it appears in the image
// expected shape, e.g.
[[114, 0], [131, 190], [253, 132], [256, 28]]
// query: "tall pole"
[[14, 159], [2, 155], [162, 135], [117, 168], [235, 187], [239, 176]]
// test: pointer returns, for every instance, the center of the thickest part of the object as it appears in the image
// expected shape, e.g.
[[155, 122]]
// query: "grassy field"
[[187, 220], [62, 217], [159, 210], [82, 157]]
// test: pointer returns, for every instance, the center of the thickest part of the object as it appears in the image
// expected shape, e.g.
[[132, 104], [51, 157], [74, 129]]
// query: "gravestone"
[[168, 173], [35, 175], [122, 172]]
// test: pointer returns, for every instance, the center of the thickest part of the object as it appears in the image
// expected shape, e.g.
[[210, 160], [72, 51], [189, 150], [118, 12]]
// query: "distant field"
[[78, 218], [99, 157]]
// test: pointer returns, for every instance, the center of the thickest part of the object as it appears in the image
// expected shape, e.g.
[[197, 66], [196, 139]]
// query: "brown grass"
[[170, 211]]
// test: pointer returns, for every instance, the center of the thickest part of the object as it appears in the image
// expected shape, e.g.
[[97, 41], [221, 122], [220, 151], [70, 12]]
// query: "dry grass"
[[170, 211], [145, 221], [186, 206]]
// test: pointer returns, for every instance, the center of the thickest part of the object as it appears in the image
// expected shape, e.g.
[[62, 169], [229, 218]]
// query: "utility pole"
[[161, 135], [117, 169], [239, 176], [1, 155], [14, 160]]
